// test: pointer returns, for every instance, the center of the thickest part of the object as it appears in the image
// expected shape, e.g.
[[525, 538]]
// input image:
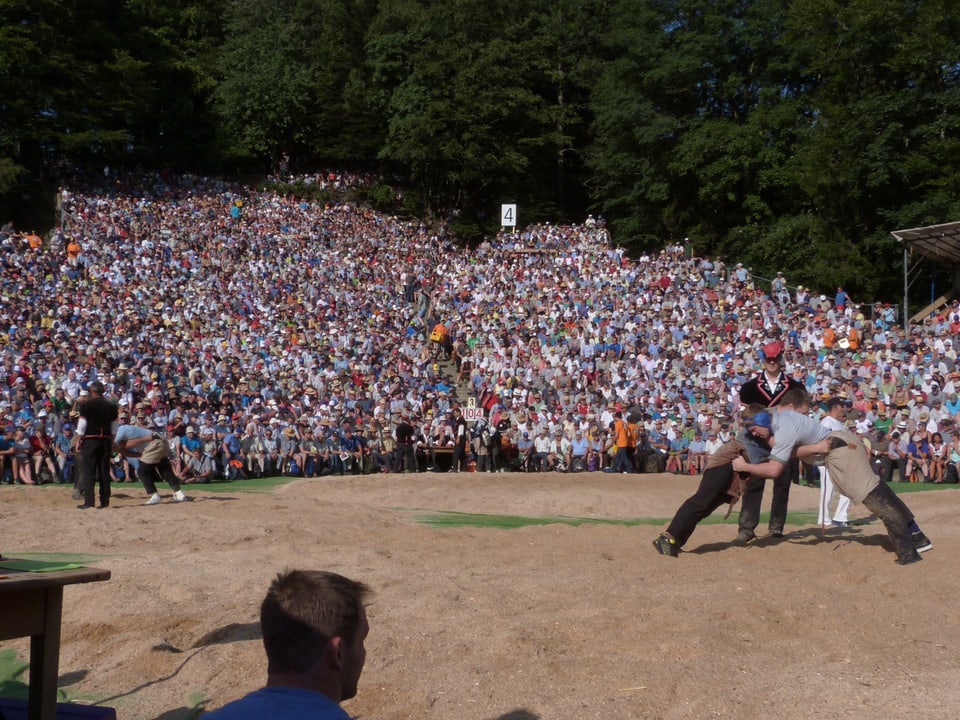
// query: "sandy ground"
[[549, 621]]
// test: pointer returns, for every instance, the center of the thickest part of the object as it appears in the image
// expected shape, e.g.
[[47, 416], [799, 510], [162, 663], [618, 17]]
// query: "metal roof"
[[936, 242]]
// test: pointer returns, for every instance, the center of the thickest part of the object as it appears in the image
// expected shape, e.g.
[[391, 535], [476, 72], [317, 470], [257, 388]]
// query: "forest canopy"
[[792, 134]]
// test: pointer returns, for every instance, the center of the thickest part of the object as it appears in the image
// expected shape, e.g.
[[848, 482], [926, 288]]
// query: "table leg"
[[45, 659]]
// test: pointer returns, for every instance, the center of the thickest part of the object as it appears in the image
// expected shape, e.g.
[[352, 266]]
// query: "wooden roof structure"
[[934, 242]]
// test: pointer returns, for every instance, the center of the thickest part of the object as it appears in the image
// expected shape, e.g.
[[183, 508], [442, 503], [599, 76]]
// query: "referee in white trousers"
[[832, 421]]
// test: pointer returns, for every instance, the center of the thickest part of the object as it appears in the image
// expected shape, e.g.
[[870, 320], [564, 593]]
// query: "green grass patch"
[[899, 487], [447, 519], [13, 671], [60, 557], [254, 485], [13, 677], [509, 522], [195, 702]]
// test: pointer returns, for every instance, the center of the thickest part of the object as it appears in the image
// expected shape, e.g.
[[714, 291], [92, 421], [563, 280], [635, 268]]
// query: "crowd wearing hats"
[[228, 310]]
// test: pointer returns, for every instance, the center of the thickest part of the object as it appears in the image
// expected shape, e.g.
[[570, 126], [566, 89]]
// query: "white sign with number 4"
[[508, 215]]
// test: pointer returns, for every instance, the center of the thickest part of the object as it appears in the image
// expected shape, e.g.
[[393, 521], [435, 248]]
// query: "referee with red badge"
[[767, 388], [93, 444]]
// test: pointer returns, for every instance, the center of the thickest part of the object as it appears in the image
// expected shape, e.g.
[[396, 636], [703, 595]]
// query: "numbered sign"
[[508, 215], [472, 414]]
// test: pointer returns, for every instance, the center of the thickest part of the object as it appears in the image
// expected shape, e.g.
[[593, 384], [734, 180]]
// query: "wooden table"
[[31, 604], [444, 451]]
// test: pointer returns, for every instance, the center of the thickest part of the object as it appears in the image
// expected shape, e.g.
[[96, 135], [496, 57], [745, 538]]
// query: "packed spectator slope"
[[238, 311]]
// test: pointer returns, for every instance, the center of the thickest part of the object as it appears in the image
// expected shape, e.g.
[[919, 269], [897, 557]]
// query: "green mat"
[[37, 566]]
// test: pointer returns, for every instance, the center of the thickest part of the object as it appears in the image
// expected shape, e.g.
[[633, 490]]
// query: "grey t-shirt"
[[790, 430]]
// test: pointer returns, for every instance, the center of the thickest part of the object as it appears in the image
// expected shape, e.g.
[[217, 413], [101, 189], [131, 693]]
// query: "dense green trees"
[[485, 110], [102, 83], [180, 42], [283, 70], [794, 134], [64, 92]]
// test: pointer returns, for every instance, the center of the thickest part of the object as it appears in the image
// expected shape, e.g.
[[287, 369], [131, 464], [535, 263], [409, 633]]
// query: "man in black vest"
[[405, 458], [461, 435], [766, 389], [94, 441]]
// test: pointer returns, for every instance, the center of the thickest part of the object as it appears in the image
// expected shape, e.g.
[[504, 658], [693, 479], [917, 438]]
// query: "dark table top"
[[17, 580]]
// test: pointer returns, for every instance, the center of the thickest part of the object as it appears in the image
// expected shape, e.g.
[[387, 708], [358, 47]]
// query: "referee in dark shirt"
[[94, 442]]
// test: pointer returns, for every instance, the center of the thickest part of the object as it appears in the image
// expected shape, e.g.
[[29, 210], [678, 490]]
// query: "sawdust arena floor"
[[481, 623]]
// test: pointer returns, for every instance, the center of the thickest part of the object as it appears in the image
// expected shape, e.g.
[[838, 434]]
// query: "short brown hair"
[[303, 611], [796, 397]]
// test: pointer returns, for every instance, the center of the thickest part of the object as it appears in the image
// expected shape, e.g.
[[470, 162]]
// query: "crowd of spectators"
[[264, 334]]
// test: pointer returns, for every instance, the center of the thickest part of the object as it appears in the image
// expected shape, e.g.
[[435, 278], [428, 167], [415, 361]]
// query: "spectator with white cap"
[[191, 450], [918, 452], [897, 454]]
